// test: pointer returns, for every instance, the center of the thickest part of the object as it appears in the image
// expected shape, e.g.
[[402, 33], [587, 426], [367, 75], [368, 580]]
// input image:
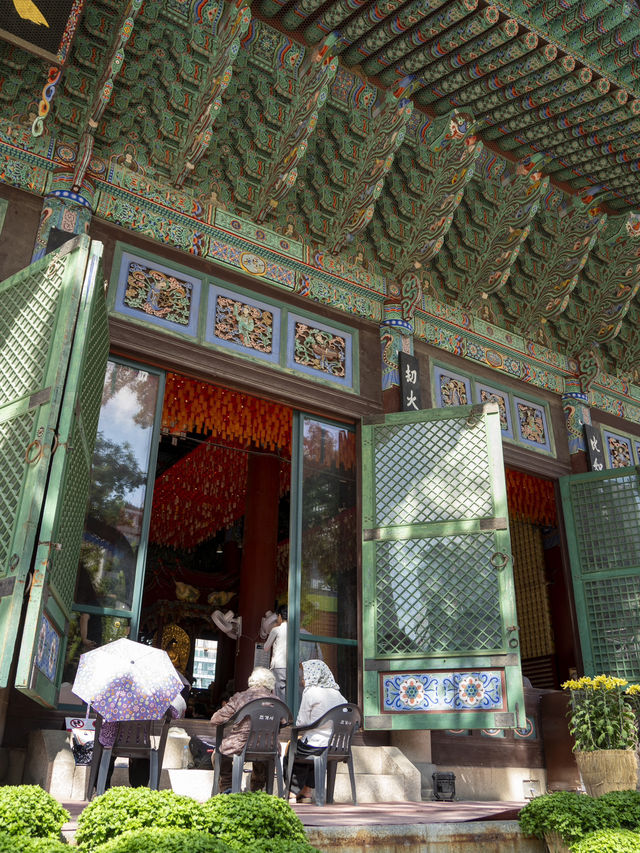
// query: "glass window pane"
[[106, 574], [342, 660], [328, 592], [204, 662]]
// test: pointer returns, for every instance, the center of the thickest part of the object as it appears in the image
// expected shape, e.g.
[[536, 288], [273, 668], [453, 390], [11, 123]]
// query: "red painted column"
[[258, 567]]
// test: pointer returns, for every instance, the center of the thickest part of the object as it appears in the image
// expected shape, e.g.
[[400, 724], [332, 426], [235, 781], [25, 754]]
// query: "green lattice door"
[[53, 350], [602, 522], [440, 636]]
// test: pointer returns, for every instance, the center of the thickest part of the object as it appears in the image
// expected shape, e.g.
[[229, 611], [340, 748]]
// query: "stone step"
[[370, 787], [383, 773]]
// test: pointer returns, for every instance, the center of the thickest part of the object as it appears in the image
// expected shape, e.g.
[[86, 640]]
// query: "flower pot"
[[554, 843], [607, 770]]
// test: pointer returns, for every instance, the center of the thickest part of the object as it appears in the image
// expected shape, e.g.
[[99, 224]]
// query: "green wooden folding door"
[[602, 522], [53, 352], [440, 634]]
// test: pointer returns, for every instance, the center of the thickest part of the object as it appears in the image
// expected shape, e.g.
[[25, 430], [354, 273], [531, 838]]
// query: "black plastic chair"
[[345, 721], [266, 717], [133, 740]]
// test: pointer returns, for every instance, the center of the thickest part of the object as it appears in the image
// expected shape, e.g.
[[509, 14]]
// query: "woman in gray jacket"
[[260, 686]]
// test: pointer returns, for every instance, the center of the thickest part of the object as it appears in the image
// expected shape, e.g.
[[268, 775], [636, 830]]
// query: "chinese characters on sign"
[[409, 382], [595, 451]]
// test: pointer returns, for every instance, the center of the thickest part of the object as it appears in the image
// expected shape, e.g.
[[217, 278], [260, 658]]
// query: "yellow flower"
[[599, 682]]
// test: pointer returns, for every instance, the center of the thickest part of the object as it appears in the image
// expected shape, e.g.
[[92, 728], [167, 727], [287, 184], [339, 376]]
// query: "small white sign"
[[80, 724]]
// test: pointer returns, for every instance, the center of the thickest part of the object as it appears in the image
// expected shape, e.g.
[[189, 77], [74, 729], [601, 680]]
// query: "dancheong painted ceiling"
[[488, 151]]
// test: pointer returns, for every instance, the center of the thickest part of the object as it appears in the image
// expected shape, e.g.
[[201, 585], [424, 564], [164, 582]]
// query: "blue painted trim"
[[190, 329], [438, 373], [623, 439], [504, 395], [542, 411]]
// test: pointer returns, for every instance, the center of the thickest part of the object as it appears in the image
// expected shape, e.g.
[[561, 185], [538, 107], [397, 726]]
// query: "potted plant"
[[603, 723]]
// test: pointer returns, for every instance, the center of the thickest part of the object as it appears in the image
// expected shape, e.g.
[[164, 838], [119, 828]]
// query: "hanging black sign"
[[43, 27], [409, 382], [595, 451]]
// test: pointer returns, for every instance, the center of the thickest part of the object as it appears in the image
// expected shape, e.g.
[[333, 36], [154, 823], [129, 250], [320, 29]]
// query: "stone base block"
[[497, 783], [11, 765], [50, 764]]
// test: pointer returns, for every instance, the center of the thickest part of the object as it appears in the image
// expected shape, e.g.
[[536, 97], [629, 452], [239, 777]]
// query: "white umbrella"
[[127, 681]]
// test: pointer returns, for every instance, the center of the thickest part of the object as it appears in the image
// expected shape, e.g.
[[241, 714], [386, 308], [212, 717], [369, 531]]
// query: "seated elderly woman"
[[320, 694], [260, 686]]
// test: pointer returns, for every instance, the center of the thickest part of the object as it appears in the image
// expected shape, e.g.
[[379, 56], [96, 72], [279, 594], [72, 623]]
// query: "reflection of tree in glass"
[[119, 377], [328, 533], [114, 473]]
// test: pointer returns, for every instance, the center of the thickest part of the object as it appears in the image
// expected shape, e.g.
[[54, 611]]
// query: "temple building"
[[329, 304]]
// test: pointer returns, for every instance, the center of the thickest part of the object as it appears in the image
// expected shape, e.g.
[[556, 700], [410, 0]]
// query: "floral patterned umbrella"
[[124, 680]]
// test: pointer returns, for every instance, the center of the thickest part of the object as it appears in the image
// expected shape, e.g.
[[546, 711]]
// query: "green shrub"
[[164, 841], [29, 810], [24, 844], [241, 819], [608, 841], [627, 806], [122, 809], [569, 814], [280, 845]]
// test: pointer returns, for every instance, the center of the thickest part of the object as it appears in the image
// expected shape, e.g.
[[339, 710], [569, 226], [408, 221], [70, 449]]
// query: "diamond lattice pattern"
[[433, 471], [26, 320], [75, 485], [613, 611], [15, 435], [607, 523], [437, 595], [29, 305]]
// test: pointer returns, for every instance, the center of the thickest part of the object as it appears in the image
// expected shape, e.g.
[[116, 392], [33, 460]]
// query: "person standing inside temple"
[[277, 642]]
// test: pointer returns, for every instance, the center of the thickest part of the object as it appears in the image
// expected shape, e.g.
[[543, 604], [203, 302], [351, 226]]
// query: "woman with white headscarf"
[[320, 694]]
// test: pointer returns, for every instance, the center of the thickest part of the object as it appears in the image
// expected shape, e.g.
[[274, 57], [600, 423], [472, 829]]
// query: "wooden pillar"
[[258, 569], [576, 414], [66, 211]]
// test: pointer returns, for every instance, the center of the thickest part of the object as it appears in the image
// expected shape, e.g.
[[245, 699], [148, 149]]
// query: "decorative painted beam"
[[298, 122], [512, 82], [624, 350], [233, 25], [111, 67], [547, 269], [607, 284], [557, 114], [337, 13], [417, 58], [507, 82], [373, 158], [497, 220], [467, 50], [435, 175], [519, 113], [485, 64], [599, 129], [430, 19], [411, 28]]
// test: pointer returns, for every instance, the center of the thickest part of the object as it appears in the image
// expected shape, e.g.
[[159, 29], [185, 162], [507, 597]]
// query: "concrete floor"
[[429, 827]]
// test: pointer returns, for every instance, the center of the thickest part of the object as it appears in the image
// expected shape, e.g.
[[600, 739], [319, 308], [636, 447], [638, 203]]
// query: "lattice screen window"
[[27, 316], [607, 531], [448, 488], [437, 595], [613, 612], [64, 562]]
